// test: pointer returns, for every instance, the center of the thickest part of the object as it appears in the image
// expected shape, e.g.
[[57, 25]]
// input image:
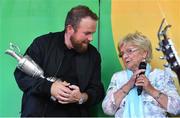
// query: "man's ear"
[[70, 29]]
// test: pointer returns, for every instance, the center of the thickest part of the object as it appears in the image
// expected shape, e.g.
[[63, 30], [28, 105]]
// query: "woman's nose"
[[125, 55]]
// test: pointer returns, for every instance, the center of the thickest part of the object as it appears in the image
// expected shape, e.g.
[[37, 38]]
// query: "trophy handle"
[[13, 54]]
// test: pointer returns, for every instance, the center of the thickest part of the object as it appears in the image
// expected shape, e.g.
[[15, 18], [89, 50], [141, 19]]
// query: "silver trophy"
[[27, 65]]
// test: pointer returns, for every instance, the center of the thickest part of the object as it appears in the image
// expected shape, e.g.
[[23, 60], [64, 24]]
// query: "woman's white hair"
[[140, 40]]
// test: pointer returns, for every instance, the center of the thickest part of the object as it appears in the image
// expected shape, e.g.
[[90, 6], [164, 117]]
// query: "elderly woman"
[[159, 95]]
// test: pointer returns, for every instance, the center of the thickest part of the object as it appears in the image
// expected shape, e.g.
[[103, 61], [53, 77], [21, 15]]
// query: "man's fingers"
[[63, 93], [65, 83], [62, 98], [74, 87], [62, 102]]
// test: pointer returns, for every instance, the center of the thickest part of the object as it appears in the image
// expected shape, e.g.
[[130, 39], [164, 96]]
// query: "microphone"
[[142, 65]]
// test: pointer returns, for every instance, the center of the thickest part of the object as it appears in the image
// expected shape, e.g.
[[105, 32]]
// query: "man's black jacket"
[[48, 52]]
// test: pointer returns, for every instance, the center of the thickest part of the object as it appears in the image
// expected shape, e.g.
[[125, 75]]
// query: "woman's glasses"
[[128, 52]]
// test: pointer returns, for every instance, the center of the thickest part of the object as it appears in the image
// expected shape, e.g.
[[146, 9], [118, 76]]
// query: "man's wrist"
[[83, 98]]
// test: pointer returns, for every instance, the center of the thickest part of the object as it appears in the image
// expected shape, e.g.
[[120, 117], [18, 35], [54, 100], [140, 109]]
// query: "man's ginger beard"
[[79, 46]]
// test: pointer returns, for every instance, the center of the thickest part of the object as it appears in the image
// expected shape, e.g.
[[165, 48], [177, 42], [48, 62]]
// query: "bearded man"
[[69, 57]]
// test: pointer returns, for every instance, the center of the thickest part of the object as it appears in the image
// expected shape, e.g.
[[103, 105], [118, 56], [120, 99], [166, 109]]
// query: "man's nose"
[[90, 37]]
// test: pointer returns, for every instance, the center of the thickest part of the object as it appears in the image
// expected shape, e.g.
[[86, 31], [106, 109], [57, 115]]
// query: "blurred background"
[[23, 20]]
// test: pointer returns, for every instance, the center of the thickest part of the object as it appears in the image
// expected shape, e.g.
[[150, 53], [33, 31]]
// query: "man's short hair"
[[77, 13]]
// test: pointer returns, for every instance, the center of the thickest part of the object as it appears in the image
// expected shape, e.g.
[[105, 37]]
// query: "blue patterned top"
[[160, 79]]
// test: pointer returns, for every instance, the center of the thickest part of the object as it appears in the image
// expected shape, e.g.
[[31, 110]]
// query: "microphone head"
[[142, 65]]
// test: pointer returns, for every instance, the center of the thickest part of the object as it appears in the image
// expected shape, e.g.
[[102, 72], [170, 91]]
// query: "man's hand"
[[66, 93], [75, 94], [61, 91]]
